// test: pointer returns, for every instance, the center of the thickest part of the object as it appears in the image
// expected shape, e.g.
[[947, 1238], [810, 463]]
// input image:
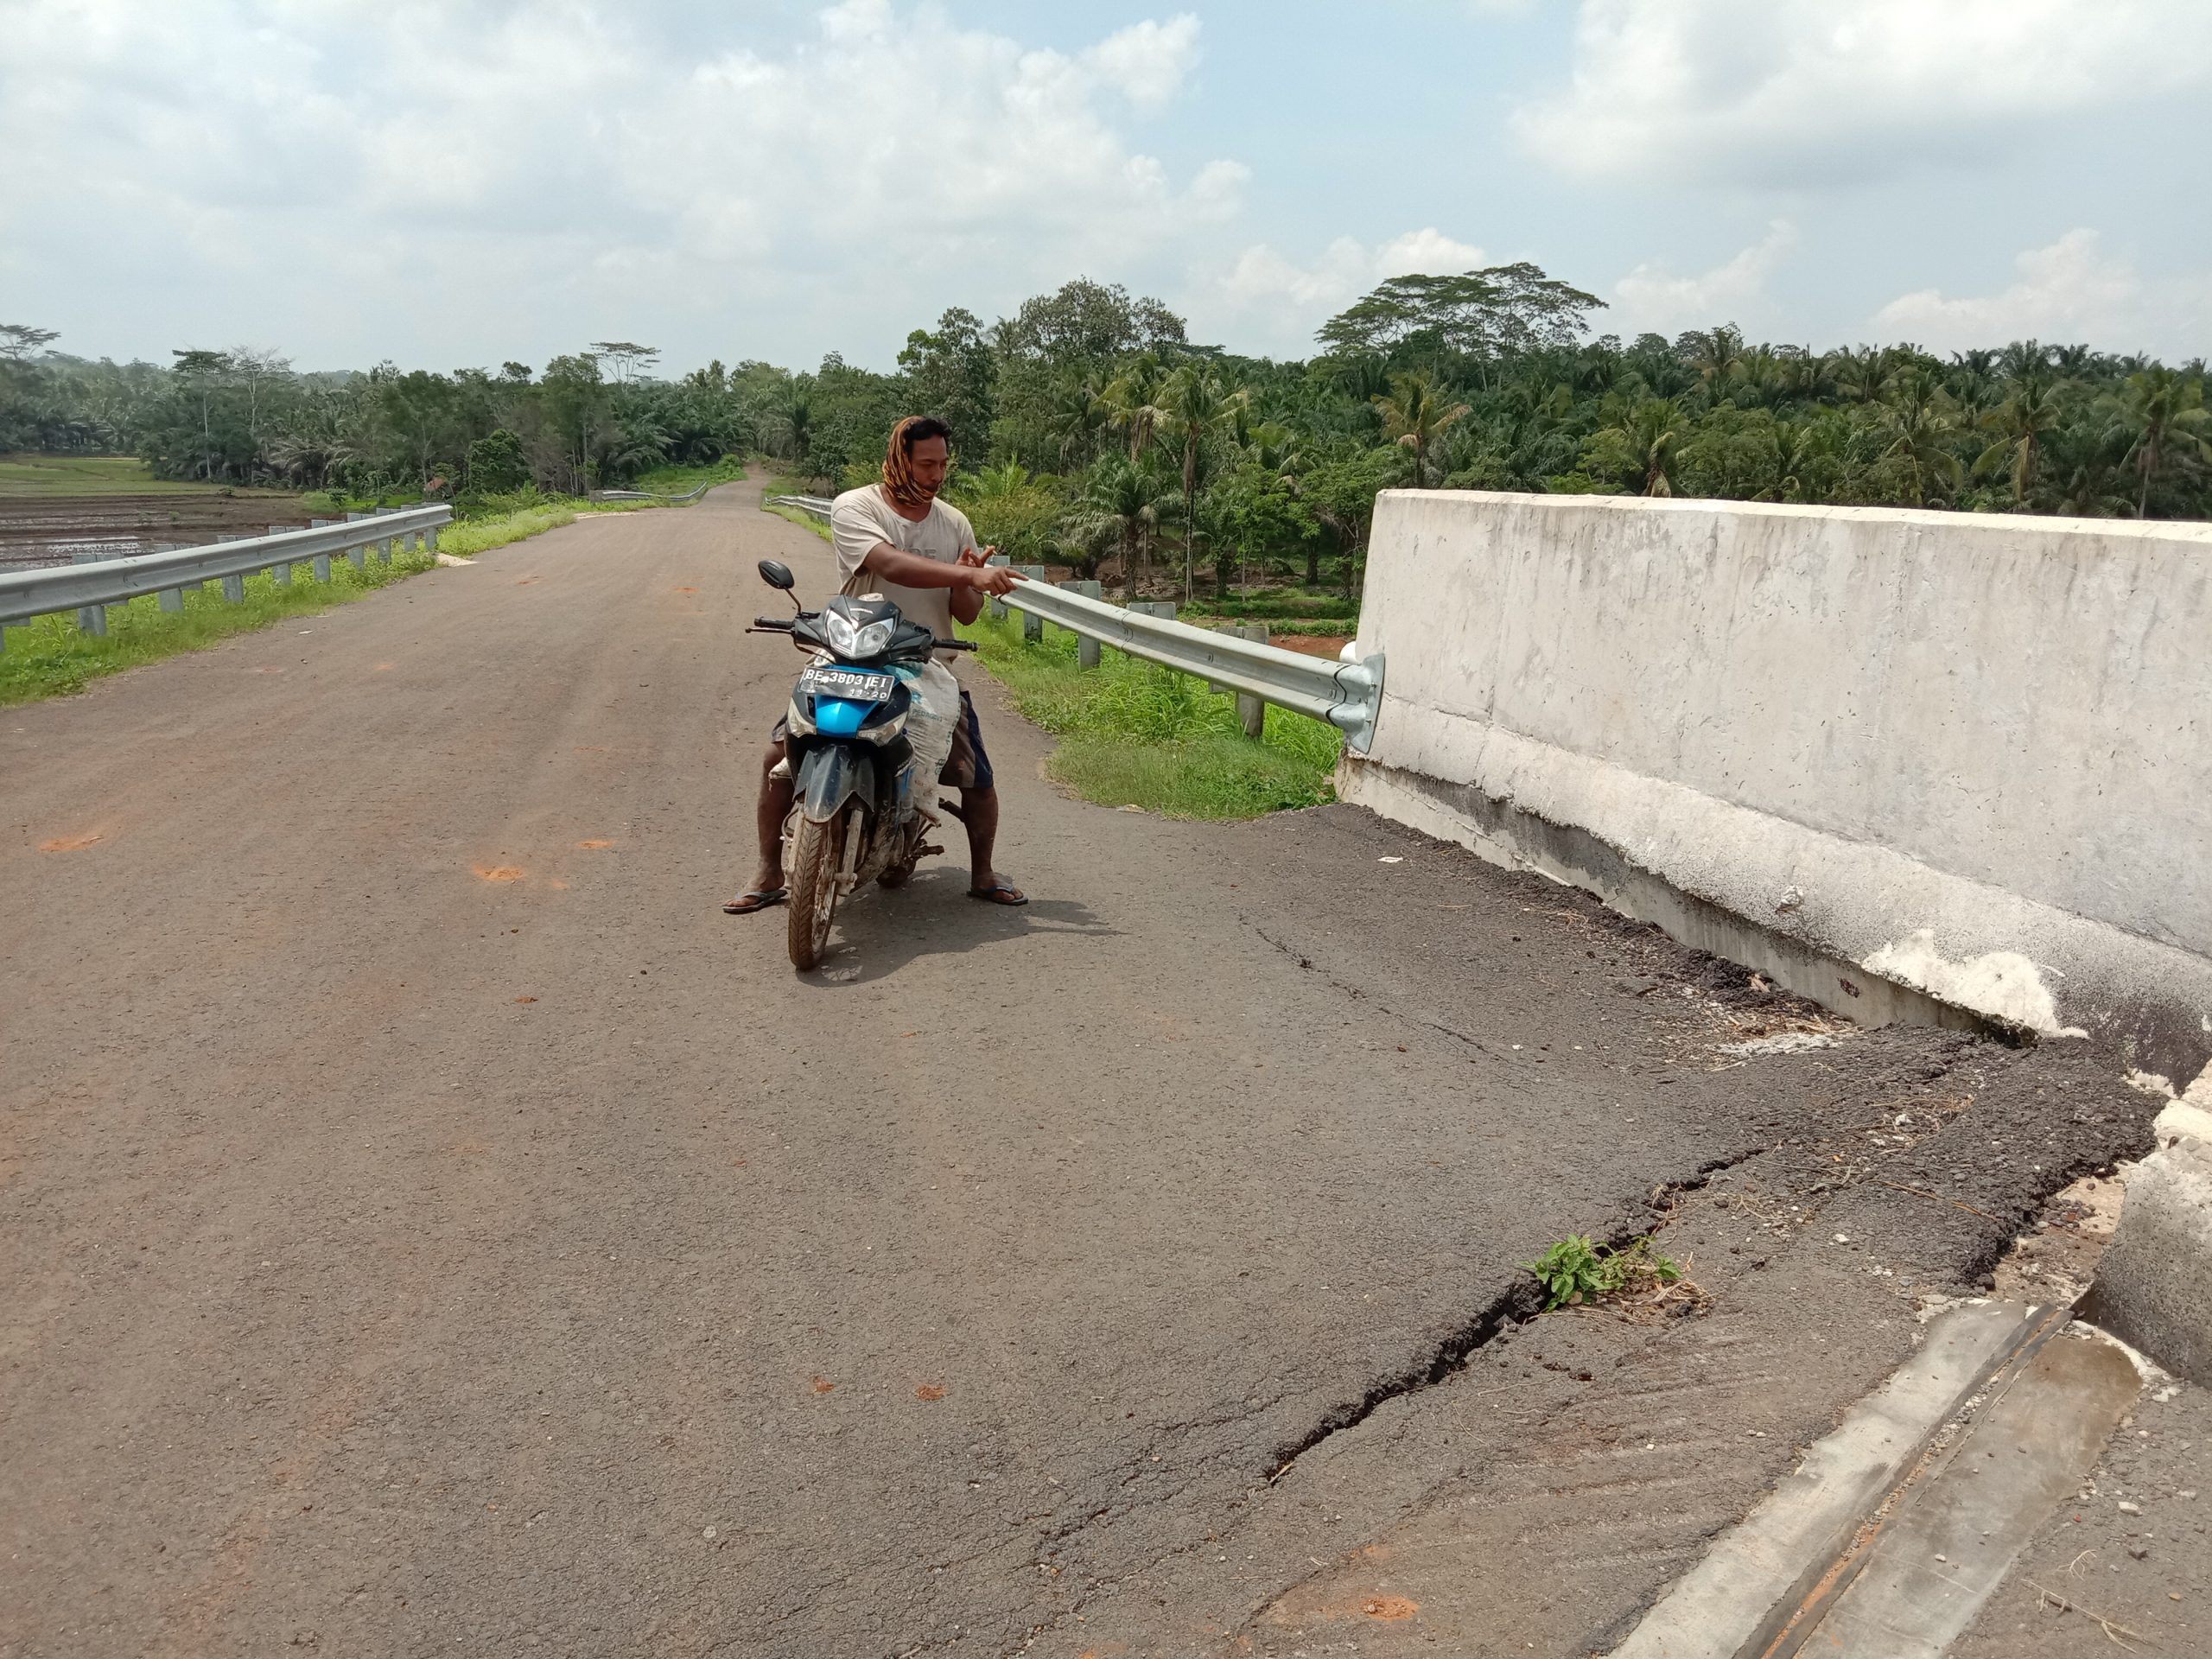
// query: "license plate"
[[853, 684]]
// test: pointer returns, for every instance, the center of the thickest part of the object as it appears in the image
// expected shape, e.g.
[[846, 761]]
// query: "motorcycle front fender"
[[831, 775]]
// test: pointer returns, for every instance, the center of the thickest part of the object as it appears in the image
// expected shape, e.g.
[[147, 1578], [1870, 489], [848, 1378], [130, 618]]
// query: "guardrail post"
[[322, 560], [170, 599], [358, 553], [1086, 648], [430, 541], [282, 569], [1251, 712], [1032, 626], [90, 618], [233, 587], [998, 605]]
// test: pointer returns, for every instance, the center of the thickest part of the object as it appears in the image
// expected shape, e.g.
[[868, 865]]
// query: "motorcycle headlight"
[[848, 640]]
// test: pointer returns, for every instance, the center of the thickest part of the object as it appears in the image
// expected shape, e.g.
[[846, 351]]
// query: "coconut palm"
[[1079, 413], [1921, 428], [1717, 354], [2158, 415], [1131, 399], [2019, 423], [1414, 416], [1192, 405], [1122, 502], [1647, 439], [2023, 359]]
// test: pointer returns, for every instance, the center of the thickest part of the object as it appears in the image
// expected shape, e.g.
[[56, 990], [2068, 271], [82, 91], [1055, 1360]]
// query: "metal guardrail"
[[85, 588], [649, 495], [1344, 694]]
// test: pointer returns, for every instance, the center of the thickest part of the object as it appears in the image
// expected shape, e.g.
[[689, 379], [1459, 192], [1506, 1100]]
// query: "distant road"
[[428, 1225]]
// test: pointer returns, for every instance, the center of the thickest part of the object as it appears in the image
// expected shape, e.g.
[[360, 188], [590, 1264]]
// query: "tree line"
[[1092, 432]]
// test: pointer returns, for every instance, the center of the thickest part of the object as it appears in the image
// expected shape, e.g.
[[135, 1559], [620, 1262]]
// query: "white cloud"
[[1651, 298], [1755, 90], [2070, 291], [1297, 297], [1146, 62], [574, 159]]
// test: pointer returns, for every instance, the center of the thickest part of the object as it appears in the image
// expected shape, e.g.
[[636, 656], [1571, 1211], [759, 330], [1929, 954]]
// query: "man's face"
[[931, 458]]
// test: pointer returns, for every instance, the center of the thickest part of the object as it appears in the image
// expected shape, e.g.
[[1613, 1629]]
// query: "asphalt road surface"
[[428, 1225]]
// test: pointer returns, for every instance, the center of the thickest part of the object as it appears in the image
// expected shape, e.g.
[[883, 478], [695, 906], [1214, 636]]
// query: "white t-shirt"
[[860, 518]]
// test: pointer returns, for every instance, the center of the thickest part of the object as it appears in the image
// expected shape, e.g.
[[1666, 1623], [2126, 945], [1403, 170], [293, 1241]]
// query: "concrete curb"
[[1753, 1585], [2154, 1287]]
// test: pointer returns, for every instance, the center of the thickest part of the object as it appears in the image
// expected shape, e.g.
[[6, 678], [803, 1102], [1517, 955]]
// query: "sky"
[[444, 184]]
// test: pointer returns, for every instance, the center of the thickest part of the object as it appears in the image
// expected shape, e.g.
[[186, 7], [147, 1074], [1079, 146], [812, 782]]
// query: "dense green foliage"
[[1092, 433]]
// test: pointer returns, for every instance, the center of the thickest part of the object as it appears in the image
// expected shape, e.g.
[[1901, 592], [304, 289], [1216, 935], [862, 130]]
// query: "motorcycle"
[[858, 807]]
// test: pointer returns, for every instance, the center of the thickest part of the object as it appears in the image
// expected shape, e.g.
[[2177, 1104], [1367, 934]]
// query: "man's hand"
[[989, 578]]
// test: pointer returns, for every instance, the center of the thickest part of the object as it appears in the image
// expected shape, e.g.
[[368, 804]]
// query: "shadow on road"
[[878, 932]]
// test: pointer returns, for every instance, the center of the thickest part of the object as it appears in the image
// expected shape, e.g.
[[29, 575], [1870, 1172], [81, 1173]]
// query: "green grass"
[[1284, 604], [1132, 733], [682, 480], [804, 520], [47, 657], [58, 475]]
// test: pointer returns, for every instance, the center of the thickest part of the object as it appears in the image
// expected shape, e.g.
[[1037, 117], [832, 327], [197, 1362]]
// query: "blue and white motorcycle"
[[860, 805]]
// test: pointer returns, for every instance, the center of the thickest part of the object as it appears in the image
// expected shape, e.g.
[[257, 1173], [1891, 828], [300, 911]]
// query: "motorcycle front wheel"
[[815, 850]]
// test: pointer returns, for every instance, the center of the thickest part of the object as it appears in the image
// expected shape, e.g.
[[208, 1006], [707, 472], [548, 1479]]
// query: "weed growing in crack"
[[1575, 1272]]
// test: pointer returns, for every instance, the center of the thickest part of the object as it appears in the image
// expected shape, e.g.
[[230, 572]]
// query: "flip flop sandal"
[[754, 898], [999, 893]]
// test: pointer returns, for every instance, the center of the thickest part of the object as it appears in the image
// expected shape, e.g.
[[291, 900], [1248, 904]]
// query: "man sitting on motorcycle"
[[896, 538]]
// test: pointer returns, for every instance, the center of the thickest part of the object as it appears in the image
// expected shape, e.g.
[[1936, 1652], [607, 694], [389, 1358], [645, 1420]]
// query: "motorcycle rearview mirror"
[[778, 575]]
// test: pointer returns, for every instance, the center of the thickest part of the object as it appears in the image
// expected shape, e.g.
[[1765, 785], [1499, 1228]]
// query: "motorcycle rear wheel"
[[815, 849]]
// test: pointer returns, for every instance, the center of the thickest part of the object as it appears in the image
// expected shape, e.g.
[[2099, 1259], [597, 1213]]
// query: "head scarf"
[[898, 468]]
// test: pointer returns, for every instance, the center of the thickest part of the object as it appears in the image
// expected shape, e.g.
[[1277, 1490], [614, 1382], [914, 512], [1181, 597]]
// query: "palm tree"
[[1649, 436], [1920, 424], [2157, 414], [2019, 423], [1717, 354], [1193, 405], [1122, 501], [1862, 375], [2022, 359], [1414, 416], [796, 421], [1080, 412], [1131, 399]]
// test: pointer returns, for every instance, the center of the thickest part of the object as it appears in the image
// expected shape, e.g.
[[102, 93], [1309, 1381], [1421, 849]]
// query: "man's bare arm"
[[912, 570]]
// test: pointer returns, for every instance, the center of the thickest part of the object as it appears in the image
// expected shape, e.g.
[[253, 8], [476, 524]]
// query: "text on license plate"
[[853, 684]]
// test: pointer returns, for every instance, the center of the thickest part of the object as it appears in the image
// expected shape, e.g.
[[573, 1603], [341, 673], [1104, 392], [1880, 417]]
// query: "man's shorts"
[[967, 767]]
